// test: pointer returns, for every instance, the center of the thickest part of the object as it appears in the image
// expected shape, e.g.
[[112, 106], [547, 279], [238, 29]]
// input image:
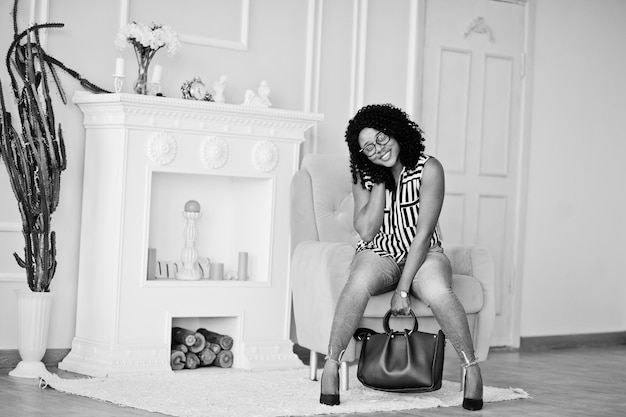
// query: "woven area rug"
[[236, 393]]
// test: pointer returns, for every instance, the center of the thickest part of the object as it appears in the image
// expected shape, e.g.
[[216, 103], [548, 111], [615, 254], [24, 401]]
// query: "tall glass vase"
[[144, 57], [141, 85]]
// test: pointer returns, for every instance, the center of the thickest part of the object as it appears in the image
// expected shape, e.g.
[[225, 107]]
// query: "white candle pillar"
[[156, 74]]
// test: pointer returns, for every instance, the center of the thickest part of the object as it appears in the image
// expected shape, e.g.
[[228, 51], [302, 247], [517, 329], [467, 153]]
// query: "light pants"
[[371, 274]]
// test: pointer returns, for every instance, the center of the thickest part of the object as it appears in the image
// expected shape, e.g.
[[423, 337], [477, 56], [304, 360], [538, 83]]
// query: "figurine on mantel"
[[260, 100], [218, 89]]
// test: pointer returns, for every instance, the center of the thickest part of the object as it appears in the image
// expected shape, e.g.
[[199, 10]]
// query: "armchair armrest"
[[319, 271]]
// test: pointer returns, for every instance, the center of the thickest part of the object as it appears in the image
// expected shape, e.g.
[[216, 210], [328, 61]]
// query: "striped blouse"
[[400, 216]]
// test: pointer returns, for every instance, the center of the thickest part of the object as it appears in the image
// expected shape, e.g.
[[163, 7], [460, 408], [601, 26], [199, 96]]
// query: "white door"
[[471, 115]]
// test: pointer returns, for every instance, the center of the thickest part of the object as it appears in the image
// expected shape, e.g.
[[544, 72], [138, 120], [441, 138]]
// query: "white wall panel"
[[452, 108], [336, 75], [492, 227], [496, 115], [386, 52], [451, 218], [11, 241], [219, 23]]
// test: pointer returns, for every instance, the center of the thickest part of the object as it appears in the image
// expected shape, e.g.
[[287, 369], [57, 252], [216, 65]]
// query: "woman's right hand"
[[399, 305], [369, 208]]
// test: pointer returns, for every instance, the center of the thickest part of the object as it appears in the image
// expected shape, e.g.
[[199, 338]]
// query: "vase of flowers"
[[146, 41]]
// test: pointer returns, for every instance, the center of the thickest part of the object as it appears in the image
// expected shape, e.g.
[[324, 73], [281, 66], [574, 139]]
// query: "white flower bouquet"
[[146, 41]]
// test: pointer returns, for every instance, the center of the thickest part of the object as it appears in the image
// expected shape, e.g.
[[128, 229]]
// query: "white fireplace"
[[145, 157]]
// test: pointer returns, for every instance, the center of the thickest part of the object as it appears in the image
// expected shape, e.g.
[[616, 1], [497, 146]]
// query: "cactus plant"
[[34, 153]]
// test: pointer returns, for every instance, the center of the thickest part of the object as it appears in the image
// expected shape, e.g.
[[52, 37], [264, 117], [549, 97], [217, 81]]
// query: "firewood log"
[[207, 357], [199, 345], [224, 359], [214, 347], [192, 360], [225, 342], [177, 360], [181, 347], [184, 336]]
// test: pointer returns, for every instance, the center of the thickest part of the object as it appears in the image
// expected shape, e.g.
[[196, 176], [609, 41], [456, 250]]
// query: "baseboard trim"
[[572, 341], [9, 358]]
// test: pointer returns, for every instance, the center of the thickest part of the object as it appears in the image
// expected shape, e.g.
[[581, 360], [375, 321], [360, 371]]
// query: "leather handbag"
[[400, 361]]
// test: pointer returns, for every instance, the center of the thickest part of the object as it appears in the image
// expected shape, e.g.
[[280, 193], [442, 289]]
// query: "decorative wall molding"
[[162, 148], [518, 2], [12, 277], [191, 114], [265, 156], [240, 44], [40, 13], [359, 44], [101, 360], [12, 227], [214, 152], [312, 67], [415, 59], [479, 26]]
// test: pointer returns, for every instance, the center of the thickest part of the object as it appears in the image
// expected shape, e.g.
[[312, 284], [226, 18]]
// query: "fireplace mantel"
[[144, 158]]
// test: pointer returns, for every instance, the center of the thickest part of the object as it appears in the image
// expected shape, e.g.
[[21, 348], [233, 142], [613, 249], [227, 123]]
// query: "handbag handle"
[[388, 316]]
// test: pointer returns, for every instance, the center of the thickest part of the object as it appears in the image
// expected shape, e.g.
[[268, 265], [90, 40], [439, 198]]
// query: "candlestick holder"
[[118, 82], [154, 88]]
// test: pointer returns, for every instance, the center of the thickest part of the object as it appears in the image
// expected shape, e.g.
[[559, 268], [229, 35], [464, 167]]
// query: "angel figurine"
[[264, 93], [218, 89], [260, 100]]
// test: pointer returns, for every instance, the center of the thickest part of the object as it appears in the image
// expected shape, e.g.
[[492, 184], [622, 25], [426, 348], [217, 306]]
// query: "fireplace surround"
[[144, 158]]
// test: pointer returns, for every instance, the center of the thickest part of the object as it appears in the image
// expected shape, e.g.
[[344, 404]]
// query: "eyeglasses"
[[370, 149]]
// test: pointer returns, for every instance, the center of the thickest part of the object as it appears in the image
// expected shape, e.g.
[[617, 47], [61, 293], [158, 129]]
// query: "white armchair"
[[323, 245]]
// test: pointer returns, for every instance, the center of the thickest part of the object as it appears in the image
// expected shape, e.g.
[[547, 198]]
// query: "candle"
[[119, 67], [217, 271], [243, 266], [156, 74]]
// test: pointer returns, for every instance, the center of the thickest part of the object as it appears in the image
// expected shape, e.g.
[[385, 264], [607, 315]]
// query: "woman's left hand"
[[399, 305]]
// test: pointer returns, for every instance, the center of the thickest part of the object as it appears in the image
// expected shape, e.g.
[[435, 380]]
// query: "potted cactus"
[[34, 156]]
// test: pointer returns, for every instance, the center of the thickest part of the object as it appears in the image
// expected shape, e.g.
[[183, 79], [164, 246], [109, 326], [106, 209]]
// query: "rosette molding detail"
[[265, 156], [162, 148], [214, 152]]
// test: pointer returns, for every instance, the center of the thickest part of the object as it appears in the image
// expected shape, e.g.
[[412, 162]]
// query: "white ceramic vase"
[[34, 320]]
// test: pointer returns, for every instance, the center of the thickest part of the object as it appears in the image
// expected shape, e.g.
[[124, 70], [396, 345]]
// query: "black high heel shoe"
[[331, 399], [472, 404]]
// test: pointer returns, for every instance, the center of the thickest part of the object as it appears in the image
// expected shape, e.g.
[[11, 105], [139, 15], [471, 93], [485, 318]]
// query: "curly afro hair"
[[393, 122]]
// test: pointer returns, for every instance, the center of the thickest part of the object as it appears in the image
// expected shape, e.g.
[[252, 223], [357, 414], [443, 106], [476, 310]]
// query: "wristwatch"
[[403, 294]]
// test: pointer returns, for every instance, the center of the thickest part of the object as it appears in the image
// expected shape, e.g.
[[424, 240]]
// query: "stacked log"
[[221, 345], [189, 344], [201, 348]]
